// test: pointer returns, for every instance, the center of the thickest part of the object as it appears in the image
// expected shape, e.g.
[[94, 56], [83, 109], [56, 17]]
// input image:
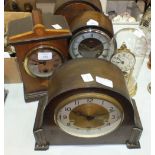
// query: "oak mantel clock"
[[41, 46], [92, 36], [73, 8], [92, 30], [87, 104]]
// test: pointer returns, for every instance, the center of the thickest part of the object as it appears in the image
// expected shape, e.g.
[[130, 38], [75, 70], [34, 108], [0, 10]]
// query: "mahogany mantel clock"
[[41, 46]]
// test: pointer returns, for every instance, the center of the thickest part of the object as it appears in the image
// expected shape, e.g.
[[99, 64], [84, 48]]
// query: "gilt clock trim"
[[25, 63]]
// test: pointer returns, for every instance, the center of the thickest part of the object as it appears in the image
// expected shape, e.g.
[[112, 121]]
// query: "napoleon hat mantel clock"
[[41, 46], [87, 104], [73, 8], [92, 36], [92, 30]]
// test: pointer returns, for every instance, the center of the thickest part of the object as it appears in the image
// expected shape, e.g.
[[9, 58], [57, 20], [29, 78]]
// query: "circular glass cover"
[[42, 61], [89, 117], [91, 44]]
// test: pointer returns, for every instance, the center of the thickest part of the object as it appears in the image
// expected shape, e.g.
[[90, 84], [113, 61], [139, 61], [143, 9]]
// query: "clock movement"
[[73, 8], [86, 104], [41, 46]]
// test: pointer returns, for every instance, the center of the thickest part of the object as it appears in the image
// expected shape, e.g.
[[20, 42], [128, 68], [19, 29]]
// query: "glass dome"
[[131, 51]]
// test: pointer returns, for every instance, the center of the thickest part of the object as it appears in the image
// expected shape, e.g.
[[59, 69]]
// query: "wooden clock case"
[[81, 22], [73, 8], [47, 132], [31, 32]]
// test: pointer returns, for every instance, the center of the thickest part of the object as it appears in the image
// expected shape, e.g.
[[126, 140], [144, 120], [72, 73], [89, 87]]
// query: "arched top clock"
[[73, 8], [87, 104]]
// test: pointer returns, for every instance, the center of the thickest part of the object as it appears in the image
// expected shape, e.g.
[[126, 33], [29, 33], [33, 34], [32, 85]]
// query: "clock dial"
[[124, 60], [89, 117], [91, 44], [42, 61]]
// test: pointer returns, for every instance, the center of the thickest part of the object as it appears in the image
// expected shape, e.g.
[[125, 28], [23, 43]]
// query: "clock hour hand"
[[119, 61], [38, 61], [79, 113]]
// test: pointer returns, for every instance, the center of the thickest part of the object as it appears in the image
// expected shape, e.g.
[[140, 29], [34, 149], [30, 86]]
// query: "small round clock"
[[129, 56], [124, 59], [42, 61], [92, 36]]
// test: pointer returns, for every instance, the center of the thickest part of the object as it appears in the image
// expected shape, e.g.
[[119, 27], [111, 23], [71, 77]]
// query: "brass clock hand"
[[79, 113], [38, 61]]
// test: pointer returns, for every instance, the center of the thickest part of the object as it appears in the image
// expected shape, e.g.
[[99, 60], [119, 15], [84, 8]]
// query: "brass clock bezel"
[[95, 95], [25, 63]]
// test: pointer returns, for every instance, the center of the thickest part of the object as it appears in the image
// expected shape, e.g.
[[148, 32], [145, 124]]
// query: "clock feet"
[[133, 142], [41, 147], [41, 142], [133, 145]]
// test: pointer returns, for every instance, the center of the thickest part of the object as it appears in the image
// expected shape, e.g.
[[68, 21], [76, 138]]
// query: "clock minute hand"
[[100, 115], [80, 113]]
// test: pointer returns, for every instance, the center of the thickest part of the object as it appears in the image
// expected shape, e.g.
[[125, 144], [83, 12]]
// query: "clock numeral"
[[75, 48], [68, 109], [89, 100], [64, 116], [83, 37], [111, 109], [108, 124], [68, 124], [76, 54], [77, 102], [102, 102], [60, 117], [113, 117]]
